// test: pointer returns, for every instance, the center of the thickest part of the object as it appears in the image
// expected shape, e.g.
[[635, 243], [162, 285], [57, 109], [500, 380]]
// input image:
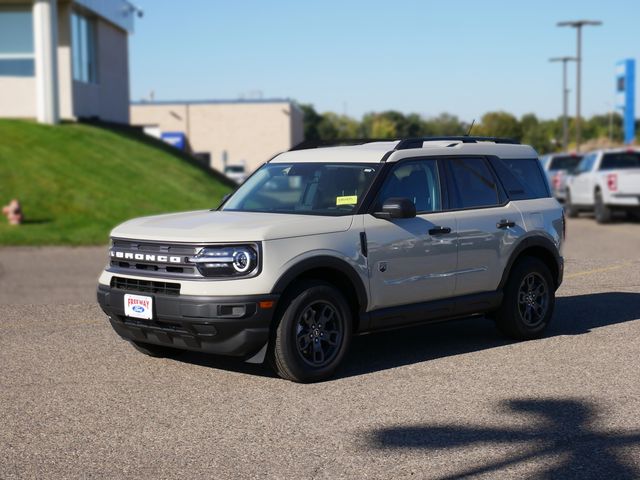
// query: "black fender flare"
[[324, 261], [534, 241]]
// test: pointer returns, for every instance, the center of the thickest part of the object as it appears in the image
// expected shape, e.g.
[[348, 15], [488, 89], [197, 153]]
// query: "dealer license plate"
[[138, 306]]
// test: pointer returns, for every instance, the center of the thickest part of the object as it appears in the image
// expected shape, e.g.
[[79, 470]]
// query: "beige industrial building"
[[225, 132], [65, 59]]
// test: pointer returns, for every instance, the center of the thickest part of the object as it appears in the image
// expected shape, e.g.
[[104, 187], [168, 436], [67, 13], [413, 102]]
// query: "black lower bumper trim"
[[235, 325]]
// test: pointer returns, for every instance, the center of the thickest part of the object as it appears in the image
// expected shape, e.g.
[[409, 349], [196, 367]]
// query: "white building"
[[65, 59]]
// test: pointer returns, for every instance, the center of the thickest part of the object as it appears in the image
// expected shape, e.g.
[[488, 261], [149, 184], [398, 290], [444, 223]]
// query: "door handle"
[[439, 230], [505, 224]]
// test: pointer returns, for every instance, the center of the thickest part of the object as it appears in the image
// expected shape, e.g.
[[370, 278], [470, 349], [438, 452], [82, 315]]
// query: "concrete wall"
[[108, 99], [245, 131]]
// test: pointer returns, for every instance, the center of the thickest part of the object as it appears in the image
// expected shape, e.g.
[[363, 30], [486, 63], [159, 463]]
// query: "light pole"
[[565, 99], [578, 24]]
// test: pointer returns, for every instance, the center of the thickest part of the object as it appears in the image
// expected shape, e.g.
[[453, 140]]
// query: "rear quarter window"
[[522, 178], [620, 161]]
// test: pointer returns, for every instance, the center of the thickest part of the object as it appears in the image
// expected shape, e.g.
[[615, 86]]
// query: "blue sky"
[[465, 57]]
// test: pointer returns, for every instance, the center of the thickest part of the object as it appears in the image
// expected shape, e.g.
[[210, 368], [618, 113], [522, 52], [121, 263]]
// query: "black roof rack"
[[404, 143], [418, 141], [308, 144]]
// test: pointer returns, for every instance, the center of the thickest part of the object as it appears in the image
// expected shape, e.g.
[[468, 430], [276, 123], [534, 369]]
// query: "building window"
[[83, 44], [16, 42]]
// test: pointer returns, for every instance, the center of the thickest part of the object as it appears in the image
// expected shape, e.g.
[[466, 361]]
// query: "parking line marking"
[[598, 270]]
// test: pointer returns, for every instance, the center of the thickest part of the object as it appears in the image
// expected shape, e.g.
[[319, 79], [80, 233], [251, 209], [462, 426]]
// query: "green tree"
[[383, 127], [333, 126], [443, 125], [311, 121], [499, 124]]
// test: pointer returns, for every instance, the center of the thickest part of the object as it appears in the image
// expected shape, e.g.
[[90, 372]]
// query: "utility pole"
[[578, 24], [565, 99]]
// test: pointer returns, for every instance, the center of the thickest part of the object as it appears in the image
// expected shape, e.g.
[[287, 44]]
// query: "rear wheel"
[[158, 351], [603, 213], [313, 334], [569, 208], [529, 300]]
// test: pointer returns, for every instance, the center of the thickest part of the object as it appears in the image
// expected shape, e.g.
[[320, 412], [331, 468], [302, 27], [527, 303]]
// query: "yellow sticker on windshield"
[[351, 200]]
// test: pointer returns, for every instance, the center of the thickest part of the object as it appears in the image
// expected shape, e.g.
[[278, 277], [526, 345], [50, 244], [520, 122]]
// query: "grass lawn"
[[77, 181]]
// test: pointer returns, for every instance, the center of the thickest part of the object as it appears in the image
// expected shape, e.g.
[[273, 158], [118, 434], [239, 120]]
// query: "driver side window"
[[416, 180]]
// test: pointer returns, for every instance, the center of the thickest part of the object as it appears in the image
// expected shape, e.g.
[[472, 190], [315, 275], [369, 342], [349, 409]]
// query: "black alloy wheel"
[[319, 333], [533, 300]]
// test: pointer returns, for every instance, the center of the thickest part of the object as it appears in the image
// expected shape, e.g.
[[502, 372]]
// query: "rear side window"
[[620, 161], [522, 178], [473, 184], [565, 162]]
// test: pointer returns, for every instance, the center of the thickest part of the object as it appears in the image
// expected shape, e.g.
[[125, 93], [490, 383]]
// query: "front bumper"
[[234, 326]]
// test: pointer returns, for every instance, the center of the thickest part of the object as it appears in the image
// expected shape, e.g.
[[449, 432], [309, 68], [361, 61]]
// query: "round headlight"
[[241, 261], [226, 261]]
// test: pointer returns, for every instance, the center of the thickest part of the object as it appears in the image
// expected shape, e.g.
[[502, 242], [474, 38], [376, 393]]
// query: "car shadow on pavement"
[[573, 316], [558, 428], [384, 350]]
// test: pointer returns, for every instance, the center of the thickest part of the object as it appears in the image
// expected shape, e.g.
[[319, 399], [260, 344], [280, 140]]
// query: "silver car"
[[325, 243]]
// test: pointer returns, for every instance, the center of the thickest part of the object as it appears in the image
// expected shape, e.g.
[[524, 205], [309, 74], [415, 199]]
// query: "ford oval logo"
[[138, 309]]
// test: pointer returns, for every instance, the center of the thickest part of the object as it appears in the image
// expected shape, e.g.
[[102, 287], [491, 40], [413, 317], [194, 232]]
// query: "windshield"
[[304, 188], [565, 162], [234, 169], [619, 161]]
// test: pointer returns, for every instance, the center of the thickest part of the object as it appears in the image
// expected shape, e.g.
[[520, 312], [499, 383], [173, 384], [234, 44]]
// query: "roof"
[[212, 101], [374, 152], [120, 13]]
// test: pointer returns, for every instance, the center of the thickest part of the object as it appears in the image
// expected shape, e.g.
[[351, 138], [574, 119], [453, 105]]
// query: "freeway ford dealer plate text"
[[138, 306]]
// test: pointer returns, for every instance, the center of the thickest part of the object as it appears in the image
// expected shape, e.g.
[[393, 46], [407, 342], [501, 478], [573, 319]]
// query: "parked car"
[[605, 182], [326, 243], [558, 167], [237, 173]]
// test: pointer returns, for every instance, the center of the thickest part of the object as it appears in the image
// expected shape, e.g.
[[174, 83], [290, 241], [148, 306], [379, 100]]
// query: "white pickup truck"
[[604, 182]]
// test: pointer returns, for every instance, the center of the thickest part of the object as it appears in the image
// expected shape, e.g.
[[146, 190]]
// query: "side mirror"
[[396, 208]]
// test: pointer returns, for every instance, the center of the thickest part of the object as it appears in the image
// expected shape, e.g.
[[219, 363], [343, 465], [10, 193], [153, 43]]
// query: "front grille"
[[153, 259], [145, 286]]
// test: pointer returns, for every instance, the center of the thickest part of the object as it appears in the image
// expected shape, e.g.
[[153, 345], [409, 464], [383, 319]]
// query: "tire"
[[602, 212], [157, 351], [569, 208], [313, 333], [524, 317]]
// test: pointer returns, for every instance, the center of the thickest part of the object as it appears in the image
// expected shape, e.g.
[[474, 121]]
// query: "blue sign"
[[176, 139], [625, 96]]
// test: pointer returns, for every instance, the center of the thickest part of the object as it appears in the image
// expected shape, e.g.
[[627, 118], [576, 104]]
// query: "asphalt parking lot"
[[444, 401]]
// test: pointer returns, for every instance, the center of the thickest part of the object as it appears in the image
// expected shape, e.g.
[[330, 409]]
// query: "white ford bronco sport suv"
[[321, 244], [605, 181]]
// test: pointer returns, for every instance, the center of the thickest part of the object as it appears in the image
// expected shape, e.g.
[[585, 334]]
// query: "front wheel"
[[313, 334], [529, 300]]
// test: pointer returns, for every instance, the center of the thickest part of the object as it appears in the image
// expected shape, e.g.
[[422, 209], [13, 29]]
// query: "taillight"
[[612, 182]]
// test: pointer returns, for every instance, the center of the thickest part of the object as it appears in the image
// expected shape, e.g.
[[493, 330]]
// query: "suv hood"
[[219, 226]]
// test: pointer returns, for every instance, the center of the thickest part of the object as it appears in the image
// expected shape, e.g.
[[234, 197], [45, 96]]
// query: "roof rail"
[[309, 144], [417, 142]]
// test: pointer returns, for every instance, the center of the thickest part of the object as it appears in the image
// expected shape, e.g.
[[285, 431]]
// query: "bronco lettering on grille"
[[146, 257]]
